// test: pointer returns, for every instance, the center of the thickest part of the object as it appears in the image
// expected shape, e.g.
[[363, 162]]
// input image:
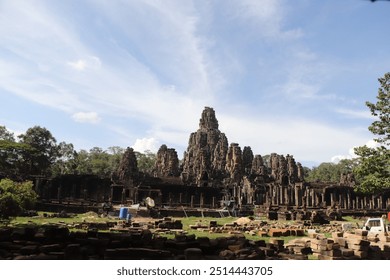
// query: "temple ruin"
[[215, 176]]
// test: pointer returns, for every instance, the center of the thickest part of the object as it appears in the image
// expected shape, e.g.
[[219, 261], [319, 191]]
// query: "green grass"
[[41, 219]]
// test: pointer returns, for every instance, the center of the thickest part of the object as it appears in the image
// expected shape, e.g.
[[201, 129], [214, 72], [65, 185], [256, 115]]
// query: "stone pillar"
[[313, 198], [59, 196], [280, 194], [276, 195], [180, 198], [201, 200], [296, 194], [341, 200], [213, 202], [170, 199], [308, 197], [136, 196], [123, 197], [288, 195], [111, 193], [192, 201]]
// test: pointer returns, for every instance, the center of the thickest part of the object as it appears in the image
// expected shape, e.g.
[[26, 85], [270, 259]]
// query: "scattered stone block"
[[347, 252], [361, 254], [361, 232], [193, 254], [337, 234]]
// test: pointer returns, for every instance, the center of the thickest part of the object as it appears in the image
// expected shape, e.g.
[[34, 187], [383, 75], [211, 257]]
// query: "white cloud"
[[92, 62], [86, 117], [268, 17], [176, 54], [338, 158], [145, 144], [78, 65], [351, 153]]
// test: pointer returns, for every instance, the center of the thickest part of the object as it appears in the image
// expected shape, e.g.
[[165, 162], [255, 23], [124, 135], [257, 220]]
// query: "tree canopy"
[[15, 198], [329, 171], [373, 171], [45, 149]]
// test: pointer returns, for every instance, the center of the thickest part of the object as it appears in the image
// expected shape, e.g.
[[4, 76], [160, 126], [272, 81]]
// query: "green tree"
[[15, 198], [100, 162], [13, 155], [45, 149], [373, 171], [116, 154], [325, 172], [97, 161], [146, 161], [14, 159], [330, 172], [6, 135], [66, 160], [82, 162]]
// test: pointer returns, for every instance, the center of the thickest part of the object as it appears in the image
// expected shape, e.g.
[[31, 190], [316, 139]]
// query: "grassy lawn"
[[45, 218]]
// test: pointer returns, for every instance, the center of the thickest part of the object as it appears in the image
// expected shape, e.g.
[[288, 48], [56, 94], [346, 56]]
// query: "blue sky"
[[290, 77]]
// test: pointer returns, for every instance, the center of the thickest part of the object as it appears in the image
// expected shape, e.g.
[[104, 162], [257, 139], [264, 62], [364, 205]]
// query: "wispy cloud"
[[152, 83], [268, 17], [86, 117], [355, 114], [82, 64]]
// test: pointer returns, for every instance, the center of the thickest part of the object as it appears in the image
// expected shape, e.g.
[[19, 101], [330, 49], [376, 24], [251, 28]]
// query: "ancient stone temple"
[[205, 158], [126, 178], [216, 175], [243, 177], [247, 160], [167, 163]]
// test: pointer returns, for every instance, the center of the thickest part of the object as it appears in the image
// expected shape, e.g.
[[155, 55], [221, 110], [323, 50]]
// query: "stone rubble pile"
[[343, 246], [58, 242]]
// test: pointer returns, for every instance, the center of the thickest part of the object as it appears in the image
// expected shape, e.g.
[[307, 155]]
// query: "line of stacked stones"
[[343, 246], [57, 242]]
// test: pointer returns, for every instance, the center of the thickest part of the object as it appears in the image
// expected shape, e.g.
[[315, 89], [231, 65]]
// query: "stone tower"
[[167, 162], [205, 157]]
